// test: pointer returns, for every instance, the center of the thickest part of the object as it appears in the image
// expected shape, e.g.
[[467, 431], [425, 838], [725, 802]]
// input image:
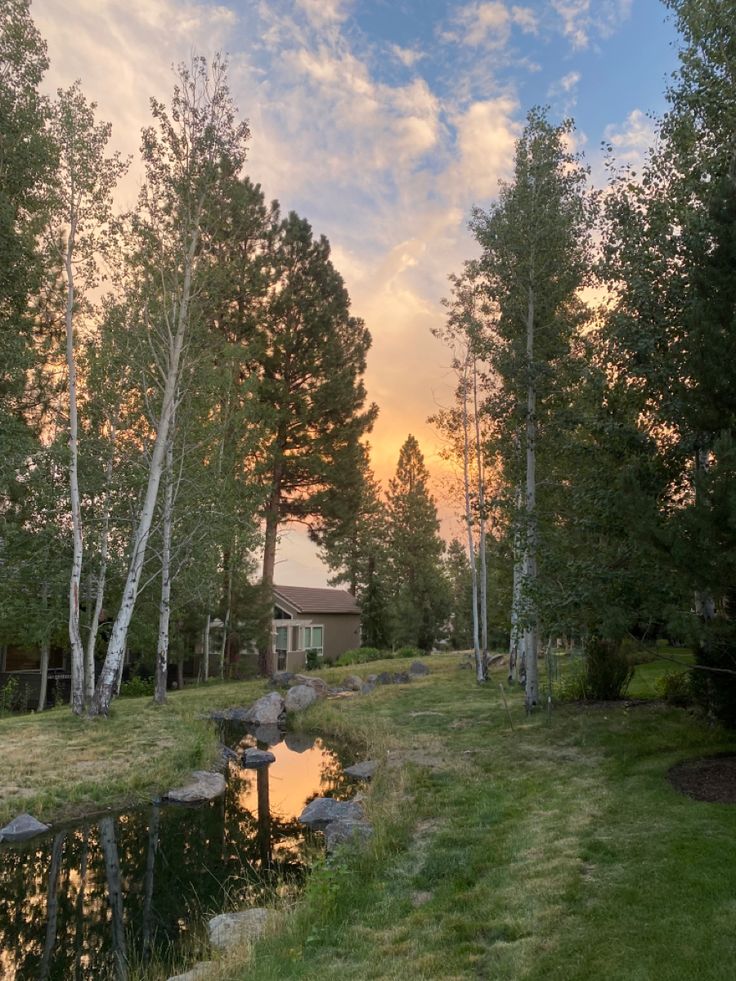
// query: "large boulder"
[[267, 711], [362, 771], [281, 679], [352, 682], [271, 735], [324, 810], [299, 742], [204, 786], [253, 759], [232, 929], [418, 668], [22, 827], [346, 831], [300, 697], [318, 684]]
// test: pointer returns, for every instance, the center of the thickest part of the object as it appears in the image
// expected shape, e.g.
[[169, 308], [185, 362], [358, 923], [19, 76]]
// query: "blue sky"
[[382, 123]]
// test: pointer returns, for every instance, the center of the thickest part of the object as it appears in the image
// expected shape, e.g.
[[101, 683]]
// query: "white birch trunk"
[[89, 655], [206, 650], [479, 672], [481, 526], [52, 905], [118, 637], [516, 651], [115, 896], [530, 550], [705, 605], [45, 649], [75, 638], [164, 613]]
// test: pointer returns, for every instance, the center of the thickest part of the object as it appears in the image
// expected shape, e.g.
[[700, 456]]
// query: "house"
[[21, 666], [326, 621]]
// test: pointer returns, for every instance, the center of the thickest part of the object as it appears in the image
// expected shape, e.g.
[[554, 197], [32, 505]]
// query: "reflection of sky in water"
[[106, 891]]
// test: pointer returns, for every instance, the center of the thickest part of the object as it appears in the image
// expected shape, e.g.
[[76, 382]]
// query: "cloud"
[[563, 92], [632, 139], [583, 19], [486, 136], [488, 24], [407, 56], [324, 12]]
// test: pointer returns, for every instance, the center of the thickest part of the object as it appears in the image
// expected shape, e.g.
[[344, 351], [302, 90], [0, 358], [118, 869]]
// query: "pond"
[[102, 897]]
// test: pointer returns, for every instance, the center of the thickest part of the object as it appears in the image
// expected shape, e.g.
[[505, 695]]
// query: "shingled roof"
[[304, 599]]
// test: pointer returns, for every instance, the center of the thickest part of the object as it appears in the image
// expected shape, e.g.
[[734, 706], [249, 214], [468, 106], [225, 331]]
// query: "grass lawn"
[[55, 765], [556, 850]]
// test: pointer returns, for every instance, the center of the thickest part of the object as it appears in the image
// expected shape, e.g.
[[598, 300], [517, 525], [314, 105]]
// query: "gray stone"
[[271, 735], [418, 667], [324, 810], [371, 679], [282, 679], [299, 742], [362, 771], [367, 688], [346, 831], [228, 755], [402, 678], [352, 682], [232, 929], [22, 827], [311, 681], [300, 697], [266, 711], [254, 758], [384, 678], [197, 972], [204, 786]]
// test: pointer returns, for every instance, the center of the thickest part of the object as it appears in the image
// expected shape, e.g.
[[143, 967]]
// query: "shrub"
[[361, 655], [313, 659], [137, 687], [716, 690], [603, 675], [675, 688], [412, 652]]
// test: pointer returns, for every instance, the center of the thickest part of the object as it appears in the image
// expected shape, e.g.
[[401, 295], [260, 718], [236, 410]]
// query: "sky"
[[383, 122]]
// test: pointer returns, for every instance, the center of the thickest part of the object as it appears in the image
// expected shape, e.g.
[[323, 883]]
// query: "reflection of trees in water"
[[73, 905]]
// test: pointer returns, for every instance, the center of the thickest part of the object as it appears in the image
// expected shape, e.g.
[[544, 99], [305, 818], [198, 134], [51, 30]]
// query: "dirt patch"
[[711, 778]]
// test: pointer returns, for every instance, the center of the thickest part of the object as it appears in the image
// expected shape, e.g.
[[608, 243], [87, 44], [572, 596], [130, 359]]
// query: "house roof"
[[304, 599]]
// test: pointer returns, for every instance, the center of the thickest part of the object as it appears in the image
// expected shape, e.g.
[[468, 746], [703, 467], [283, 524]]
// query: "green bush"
[[313, 659], [675, 688], [715, 691], [604, 674], [361, 655], [137, 687], [409, 652]]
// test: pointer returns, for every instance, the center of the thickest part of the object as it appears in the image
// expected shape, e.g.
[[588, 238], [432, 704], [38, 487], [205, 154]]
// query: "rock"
[[228, 755], [346, 831], [299, 742], [367, 688], [266, 711], [281, 679], [204, 786], [255, 758], [371, 679], [232, 929], [300, 697], [352, 683], [402, 678], [318, 684], [270, 735], [324, 810], [418, 667], [22, 827], [362, 771], [197, 971], [384, 678]]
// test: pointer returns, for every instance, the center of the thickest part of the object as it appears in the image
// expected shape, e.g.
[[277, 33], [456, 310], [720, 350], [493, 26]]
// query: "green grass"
[[554, 850]]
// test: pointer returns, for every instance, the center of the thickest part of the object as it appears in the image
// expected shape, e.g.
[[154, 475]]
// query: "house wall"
[[342, 632]]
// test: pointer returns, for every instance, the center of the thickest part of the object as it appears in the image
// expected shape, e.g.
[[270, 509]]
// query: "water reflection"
[[100, 895]]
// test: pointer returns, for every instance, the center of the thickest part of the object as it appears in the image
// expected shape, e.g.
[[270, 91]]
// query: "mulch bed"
[[711, 778]]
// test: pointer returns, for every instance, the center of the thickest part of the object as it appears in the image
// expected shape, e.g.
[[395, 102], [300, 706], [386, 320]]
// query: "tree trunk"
[[115, 895], [89, 657], [52, 905], [75, 639], [705, 605], [482, 528], [226, 619], [479, 671], [530, 551], [116, 648], [45, 649], [153, 836], [206, 651], [515, 640], [164, 613], [266, 659]]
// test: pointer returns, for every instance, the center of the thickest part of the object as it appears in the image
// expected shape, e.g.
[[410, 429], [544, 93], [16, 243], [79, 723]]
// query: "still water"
[[103, 897]]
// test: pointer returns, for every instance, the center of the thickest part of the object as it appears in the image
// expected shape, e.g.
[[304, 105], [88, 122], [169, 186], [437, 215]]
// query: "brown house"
[[326, 621]]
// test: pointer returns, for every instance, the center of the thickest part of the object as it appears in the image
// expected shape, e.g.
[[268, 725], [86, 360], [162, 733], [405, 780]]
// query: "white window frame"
[[308, 645]]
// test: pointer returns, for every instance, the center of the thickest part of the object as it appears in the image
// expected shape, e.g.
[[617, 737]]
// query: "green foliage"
[[675, 688], [603, 674], [362, 655], [715, 690], [313, 659], [137, 687], [409, 651]]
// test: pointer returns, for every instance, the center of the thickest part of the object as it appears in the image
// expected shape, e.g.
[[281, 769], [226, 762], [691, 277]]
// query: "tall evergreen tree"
[[419, 604]]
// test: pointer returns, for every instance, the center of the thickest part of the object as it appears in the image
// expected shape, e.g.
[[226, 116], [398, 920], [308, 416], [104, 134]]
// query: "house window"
[[282, 638], [314, 639]]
